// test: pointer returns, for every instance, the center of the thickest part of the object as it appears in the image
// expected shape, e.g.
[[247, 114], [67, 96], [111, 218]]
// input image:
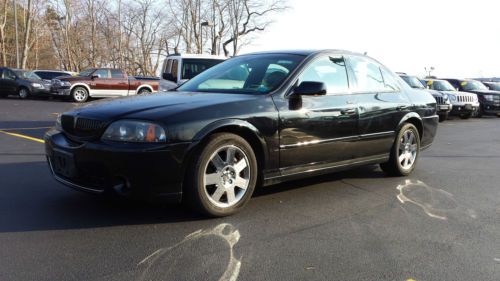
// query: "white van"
[[179, 68]]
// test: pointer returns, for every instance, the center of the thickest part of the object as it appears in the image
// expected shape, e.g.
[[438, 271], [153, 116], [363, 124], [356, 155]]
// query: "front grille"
[[439, 100], [83, 127], [465, 98]]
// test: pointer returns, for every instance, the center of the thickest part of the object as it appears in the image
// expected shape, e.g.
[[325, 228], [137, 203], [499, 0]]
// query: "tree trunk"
[[27, 33]]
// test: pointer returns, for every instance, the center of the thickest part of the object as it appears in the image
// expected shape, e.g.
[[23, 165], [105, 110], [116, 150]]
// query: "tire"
[[144, 91], [24, 93], [80, 94], [443, 117], [210, 180], [480, 112], [404, 146], [465, 115]]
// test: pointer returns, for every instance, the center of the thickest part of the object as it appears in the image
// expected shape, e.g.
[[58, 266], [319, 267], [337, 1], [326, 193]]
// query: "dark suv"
[[489, 100], [443, 103], [22, 83], [465, 104]]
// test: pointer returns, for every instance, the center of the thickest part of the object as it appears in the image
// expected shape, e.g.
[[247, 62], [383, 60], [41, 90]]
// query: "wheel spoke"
[[241, 182], [218, 193], [231, 197], [212, 179], [217, 161], [411, 138], [414, 147], [240, 166], [402, 158], [230, 155]]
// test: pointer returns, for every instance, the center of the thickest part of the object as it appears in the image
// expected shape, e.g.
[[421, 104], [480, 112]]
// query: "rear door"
[[119, 83], [381, 106], [8, 84], [317, 131]]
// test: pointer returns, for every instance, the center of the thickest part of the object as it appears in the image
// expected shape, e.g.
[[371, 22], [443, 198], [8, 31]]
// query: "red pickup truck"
[[101, 83]]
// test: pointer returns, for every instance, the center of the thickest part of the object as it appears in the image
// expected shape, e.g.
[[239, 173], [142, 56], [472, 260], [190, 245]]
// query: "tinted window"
[[175, 68], [193, 67], [168, 66], [49, 75], [390, 82], [368, 75], [329, 70], [102, 73], [8, 74], [116, 73], [245, 74]]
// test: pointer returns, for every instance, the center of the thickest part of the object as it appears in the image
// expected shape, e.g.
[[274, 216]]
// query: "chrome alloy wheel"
[[23, 93], [80, 95], [227, 176], [408, 149]]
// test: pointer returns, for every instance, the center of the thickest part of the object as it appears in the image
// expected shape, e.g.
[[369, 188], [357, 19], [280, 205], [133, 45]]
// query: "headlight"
[[445, 98], [37, 85], [58, 123], [489, 97], [65, 84], [452, 97], [134, 131]]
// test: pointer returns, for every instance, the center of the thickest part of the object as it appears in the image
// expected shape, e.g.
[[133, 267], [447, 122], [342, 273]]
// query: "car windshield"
[[442, 86], [473, 85], [250, 74], [413, 82], [494, 86], [86, 72], [193, 67], [27, 75]]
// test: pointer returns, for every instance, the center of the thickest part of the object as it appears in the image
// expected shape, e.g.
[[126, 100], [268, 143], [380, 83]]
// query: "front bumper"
[[39, 91], [464, 108], [133, 170], [444, 108], [60, 91], [490, 107]]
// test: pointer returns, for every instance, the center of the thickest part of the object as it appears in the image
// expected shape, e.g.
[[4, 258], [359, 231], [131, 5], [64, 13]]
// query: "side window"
[[103, 73], [175, 68], [168, 66], [390, 82], [368, 75], [7, 74], [117, 74], [330, 70]]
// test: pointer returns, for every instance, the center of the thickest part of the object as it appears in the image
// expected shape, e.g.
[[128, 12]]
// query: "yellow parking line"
[[23, 136], [22, 129]]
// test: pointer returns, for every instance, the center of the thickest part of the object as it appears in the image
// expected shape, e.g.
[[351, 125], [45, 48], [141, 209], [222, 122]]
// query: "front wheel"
[[404, 152], [222, 178], [24, 93], [80, 94], [144, 91]]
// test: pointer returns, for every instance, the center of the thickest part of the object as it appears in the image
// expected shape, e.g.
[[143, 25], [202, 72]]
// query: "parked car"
[[489, 100], [179, 68], [443, 102], [101, 83], [23, 83], [51, 74], [494, 86], [464, 104], [238, 124]]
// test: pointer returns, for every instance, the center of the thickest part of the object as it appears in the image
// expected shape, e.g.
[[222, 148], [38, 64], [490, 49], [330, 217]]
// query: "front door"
[[8, 84], [99, 86], [316, 131]]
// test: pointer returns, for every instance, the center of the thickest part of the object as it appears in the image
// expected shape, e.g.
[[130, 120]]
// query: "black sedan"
[[256, 119], [23, 83]]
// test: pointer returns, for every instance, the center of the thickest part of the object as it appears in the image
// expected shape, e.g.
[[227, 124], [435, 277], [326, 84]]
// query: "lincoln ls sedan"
[[254, 120]]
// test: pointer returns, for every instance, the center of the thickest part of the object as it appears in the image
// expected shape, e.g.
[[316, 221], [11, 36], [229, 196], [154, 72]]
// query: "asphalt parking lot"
[[441, 223]]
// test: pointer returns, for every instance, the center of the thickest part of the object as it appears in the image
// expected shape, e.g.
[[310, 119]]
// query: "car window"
[[102, 73], [117, 74], [8, 74], [193, 67], [250, 74], [390, 82], [368, 75], [168, 66], [329, 70], [175, 68]]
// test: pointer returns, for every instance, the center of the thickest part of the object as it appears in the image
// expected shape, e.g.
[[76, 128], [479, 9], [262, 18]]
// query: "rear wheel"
[[404, 153], [24, 93], [222, 178], [80, 94], [144, 91]]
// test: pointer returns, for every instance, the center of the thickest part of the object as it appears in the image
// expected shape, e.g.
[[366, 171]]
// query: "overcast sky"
[[458, 38]]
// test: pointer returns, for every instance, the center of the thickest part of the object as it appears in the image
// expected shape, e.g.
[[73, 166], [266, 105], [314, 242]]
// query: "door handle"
[[348, 111], [402, 107]]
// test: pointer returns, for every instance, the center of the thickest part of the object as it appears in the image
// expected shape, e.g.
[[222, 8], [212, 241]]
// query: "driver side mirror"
[[310, 88]]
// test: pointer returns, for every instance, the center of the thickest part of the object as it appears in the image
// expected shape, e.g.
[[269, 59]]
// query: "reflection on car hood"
[[161, 104], [457, 93], [485, 92]]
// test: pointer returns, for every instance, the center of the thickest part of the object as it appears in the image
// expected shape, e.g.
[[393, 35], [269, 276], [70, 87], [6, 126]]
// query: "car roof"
[[197, 56], [305, 52]]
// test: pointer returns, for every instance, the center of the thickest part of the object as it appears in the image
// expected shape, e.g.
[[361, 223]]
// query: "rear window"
[[193, 67]]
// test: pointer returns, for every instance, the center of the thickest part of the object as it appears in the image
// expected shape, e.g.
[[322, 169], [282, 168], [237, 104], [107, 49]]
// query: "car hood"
[[484, 92], [156, 106], [456, 93]]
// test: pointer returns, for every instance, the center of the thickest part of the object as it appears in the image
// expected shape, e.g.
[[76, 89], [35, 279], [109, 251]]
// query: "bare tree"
[[3, 22]]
